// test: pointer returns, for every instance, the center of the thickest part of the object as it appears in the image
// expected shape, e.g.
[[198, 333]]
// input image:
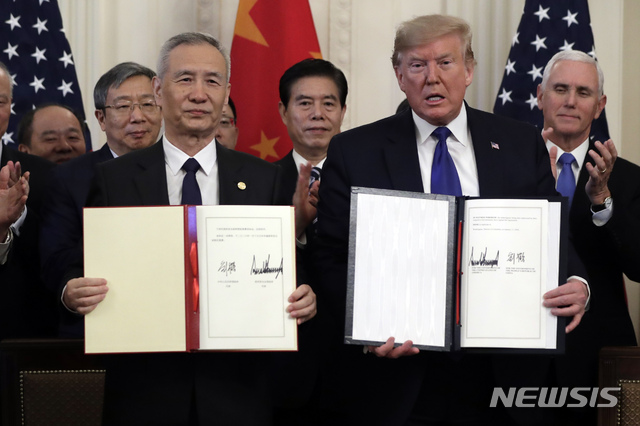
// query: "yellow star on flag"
[[266, 146], [245, 26]]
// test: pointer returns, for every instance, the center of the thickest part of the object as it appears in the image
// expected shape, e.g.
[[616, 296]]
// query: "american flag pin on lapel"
[[242, 186], [495, 145]]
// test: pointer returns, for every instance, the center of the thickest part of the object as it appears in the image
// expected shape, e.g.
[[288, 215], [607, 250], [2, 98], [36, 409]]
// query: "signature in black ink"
[[265, 267], [227, 267], [515, 257], [482, 260]]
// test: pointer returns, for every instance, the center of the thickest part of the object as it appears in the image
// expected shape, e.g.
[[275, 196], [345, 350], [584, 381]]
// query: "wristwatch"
[[599, 207]]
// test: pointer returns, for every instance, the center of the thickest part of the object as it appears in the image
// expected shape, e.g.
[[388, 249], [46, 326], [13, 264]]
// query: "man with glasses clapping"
[[128, 114]]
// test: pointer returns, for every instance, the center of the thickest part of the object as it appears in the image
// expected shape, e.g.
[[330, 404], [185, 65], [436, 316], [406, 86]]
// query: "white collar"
[[458, 127], [175, 157], [300, 160], [580, 153]]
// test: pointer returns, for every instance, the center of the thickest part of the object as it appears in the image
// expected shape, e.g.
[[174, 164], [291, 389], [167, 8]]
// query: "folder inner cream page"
[[140, 251]]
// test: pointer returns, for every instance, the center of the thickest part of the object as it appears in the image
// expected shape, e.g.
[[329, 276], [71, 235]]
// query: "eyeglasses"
[[126, 108], [226, 122]]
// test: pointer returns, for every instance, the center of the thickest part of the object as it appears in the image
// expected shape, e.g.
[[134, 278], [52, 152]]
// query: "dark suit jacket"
[[226, 388], [289, 175], [607, 252], [291, 401], [384, 155], [61, 230], [287, 189], [26, 308], [139, 178]]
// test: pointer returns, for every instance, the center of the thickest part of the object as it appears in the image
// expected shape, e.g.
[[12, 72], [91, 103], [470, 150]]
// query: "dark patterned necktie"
[[444, 176], [190, 189], [315, 175]]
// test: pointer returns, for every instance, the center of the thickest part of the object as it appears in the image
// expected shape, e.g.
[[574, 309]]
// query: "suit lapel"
[[151, 181], [229, 171], [580, 200], [289, 175], [104, 154], [6, 156], [401, 153], [488, 158]]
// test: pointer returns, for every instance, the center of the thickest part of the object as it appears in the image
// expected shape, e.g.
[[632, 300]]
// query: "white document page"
[[140, 252], [506, 270], [400, 269], [246, 273], [553, 269]]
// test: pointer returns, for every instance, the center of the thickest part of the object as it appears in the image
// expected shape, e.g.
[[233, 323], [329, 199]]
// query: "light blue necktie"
[[444, 176], [566, 180]]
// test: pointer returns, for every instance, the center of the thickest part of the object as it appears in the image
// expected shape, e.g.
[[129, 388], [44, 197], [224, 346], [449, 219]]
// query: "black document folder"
[[455, 273]]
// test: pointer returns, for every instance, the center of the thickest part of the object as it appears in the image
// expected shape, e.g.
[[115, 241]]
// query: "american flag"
[[546, 27], [35, 49]]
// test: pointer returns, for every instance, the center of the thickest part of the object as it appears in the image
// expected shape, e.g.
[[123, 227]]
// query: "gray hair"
[[576, 56], [4, 68], [190, 39], [115, 77]]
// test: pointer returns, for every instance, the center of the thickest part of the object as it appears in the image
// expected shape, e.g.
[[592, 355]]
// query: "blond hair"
[[425, 29]]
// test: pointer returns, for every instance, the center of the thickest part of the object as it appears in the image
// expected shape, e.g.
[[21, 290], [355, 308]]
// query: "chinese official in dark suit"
[[202, 388], [492, 157], [26, 308], [313, 95], [604, 216], [127, 113]]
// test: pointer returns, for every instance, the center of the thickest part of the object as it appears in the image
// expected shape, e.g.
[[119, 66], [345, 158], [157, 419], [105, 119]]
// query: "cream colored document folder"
[[188, 278]]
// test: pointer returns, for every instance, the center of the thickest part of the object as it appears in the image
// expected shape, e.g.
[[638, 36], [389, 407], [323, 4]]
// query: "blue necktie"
[[444, 176], [190, 189], [566, 180], [315, 175]]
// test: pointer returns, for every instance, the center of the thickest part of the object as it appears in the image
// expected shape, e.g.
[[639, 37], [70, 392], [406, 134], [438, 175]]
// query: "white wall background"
[[357, 36]]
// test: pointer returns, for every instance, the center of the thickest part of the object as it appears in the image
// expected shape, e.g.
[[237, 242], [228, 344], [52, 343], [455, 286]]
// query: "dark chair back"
[[620, 368], [50, 382]]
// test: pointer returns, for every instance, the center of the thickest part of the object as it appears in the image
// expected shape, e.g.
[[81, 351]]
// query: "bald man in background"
[[52, 131]]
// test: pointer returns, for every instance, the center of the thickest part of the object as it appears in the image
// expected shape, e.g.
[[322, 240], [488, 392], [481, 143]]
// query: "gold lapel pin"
[[242, 186]]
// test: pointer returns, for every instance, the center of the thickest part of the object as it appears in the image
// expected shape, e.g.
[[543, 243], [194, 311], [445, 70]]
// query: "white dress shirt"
[[207, 175], [300, 160], [460, 148]]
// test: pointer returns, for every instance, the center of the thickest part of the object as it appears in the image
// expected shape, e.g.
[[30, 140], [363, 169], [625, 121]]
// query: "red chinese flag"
[[269, 37]]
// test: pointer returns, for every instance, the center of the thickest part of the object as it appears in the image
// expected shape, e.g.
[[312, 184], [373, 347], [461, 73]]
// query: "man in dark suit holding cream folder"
[[202, 388]]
